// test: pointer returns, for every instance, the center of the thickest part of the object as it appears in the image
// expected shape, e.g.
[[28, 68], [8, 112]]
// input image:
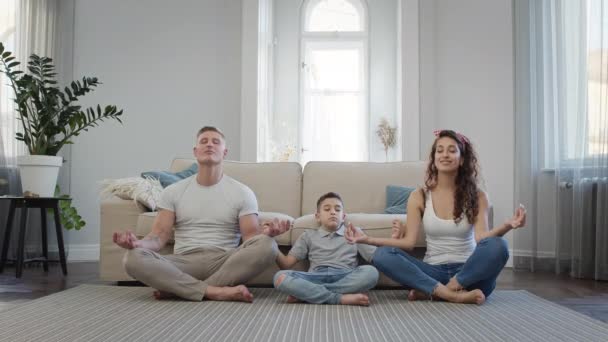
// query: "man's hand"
[[275, 227], [354, 235], [126, 240]]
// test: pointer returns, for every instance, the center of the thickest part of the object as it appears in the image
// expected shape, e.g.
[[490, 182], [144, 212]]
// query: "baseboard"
[[79, 252], [528, 253]]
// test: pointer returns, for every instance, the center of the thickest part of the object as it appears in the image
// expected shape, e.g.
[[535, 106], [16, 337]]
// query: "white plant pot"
[[39, 174]]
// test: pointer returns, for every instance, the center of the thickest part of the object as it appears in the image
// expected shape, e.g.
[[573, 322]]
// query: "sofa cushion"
[[145, 221], [361, 185], [375, 225]]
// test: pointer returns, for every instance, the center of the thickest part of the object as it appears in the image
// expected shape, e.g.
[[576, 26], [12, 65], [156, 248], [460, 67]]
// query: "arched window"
[[334, 16], [334, 81]]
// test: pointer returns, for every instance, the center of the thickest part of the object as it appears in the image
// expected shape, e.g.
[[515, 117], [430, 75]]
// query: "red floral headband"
[[463, 139]]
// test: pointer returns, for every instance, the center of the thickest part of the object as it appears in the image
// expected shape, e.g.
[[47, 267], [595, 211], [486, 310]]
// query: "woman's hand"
[[519, 218], [354, 235], [397, 229]]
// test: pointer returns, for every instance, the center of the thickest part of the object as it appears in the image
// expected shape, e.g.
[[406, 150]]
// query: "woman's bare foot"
[[471, 297], [467, 297], [160, 295], [355, 299], [235, 293], [292, 299], [414, 295]]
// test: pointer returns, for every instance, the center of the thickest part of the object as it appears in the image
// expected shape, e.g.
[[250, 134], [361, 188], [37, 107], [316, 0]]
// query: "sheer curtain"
[[562, 136], [27, 26]]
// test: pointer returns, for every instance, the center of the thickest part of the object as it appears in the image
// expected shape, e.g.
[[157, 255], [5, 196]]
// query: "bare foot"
[[454, 285], [235, 293], [414, 295], [160, 295], [292, 299], [355, 299], [471, 297]]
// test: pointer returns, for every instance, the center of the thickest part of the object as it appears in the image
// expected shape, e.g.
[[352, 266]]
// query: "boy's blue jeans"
[[478, 272], [325, 285]]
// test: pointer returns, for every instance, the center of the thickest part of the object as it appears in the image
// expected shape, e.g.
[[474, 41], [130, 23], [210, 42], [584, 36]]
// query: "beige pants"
[[188, 275]]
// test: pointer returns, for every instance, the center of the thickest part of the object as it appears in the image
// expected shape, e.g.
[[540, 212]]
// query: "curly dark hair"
[[466, 197]]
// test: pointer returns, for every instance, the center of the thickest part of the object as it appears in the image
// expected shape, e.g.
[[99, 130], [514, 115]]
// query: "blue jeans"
[[325, 285], [479, 271]]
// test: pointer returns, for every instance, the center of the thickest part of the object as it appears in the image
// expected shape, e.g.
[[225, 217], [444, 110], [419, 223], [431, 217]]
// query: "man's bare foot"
[[292, 299], [160, 295], [414, 295], [471, 297], [355, 299], [238, 293]]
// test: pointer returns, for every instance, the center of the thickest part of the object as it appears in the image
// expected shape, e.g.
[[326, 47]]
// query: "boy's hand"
[[354, 235], [396, 231], [275, 227]]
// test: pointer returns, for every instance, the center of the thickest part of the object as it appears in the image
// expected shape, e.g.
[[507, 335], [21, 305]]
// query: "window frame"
[[307, 37]]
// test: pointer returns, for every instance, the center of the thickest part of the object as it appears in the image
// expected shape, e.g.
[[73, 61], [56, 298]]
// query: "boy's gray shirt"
[[325, 248]]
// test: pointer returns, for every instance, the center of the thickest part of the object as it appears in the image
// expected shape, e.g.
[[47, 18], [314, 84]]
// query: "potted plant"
[[49, 117]]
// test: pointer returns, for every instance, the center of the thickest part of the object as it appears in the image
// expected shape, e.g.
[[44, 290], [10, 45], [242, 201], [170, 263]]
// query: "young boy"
[[334, 276]]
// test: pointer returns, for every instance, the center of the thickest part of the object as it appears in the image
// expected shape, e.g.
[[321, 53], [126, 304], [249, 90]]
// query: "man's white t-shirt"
[[208, 215]]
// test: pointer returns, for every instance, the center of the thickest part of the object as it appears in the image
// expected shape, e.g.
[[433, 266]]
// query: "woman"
[[463, 258]]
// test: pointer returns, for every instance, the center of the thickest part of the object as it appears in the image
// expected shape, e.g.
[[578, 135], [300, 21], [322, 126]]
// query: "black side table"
[[43, 203]]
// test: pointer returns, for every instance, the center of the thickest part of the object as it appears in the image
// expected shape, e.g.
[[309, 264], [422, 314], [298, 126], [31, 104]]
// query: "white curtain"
[[27, 27], [562, 135]]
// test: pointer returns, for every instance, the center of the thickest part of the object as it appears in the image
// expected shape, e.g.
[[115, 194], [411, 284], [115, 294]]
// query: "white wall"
[[173, 66], [467, 80]]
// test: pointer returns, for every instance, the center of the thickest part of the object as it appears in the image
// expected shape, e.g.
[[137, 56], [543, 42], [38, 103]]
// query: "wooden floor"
[[585, 296]]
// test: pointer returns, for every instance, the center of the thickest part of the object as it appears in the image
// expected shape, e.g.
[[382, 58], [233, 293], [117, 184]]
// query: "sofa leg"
[[129, 283]]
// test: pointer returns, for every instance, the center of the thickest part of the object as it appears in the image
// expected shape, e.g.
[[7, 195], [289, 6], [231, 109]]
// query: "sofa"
[[285, 191]]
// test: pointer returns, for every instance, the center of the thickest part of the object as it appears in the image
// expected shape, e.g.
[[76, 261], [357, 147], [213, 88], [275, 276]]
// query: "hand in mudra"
[[126, 240], [519, 218], [354, 235], [397, 229], [275, 227]]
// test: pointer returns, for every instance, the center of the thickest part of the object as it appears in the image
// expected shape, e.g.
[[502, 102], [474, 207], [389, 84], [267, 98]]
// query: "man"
[[211, 212]]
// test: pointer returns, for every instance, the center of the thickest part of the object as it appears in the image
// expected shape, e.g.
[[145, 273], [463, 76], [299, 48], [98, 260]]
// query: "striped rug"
[[111, 313]]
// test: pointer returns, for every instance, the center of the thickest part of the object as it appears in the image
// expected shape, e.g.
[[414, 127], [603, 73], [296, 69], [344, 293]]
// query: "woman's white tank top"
[[446, 241]]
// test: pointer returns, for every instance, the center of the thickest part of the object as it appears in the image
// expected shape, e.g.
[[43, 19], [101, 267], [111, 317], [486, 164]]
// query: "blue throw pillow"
[[396, 199], [167, 178]]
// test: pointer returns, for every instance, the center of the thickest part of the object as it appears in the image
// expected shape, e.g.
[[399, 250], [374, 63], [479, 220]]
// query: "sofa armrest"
[[116, 215]]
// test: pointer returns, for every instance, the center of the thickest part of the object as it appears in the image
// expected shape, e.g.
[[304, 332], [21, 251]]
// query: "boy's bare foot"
[[292, 299], [471, 297], [160, 295], [355, 299], [235, 293]]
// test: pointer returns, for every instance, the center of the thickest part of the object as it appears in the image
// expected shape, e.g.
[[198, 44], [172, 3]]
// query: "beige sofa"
[[281, 189]]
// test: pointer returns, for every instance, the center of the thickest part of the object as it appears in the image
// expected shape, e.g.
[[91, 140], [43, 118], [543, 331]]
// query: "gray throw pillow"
[[396, 199], [167, 178]]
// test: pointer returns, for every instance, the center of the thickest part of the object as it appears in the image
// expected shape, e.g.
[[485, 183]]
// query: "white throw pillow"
[[143, 190]]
